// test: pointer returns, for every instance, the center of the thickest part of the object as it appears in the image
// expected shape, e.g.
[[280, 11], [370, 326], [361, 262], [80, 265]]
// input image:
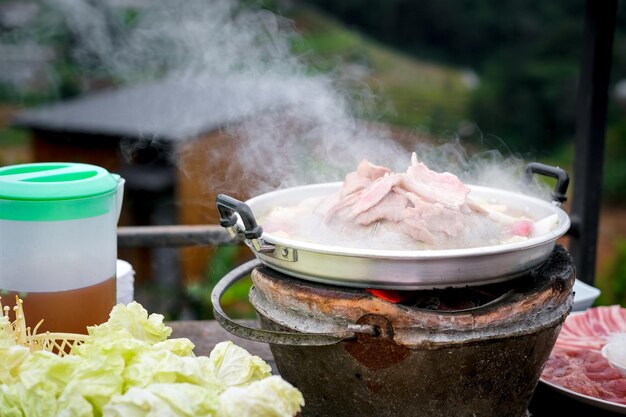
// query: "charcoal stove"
[[473, 351]]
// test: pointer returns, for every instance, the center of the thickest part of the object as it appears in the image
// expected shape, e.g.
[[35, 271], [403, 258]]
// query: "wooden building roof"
[[170, 110]]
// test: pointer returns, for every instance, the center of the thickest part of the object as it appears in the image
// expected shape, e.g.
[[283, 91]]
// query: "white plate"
[[584, 295], [596, 402]]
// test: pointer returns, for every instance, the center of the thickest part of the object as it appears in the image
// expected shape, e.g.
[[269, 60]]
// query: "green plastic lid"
[[54, 191]]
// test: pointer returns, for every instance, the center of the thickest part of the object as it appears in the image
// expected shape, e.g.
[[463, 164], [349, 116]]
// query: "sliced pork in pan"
[[414, 210]]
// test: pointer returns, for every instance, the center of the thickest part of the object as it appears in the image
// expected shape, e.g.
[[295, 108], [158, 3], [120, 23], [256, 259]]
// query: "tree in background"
[[527, 54]]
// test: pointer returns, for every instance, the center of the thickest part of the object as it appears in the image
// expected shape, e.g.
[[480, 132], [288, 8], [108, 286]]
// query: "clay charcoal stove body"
[[480, 356]]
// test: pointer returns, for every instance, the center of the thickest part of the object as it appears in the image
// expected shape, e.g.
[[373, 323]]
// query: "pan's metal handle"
[[231, 210], [562, 179], [269, 336]]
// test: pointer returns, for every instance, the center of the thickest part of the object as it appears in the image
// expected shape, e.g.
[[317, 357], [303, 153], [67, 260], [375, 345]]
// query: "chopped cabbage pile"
[[128, 367]]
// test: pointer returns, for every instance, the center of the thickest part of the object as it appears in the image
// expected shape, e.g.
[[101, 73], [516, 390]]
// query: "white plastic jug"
[[58, 242]]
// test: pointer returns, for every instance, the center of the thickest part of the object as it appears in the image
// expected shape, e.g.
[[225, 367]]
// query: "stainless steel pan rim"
[[398, 269], [274, 197]]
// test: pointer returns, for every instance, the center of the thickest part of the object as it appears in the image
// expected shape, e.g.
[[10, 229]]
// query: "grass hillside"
[[409, 92]]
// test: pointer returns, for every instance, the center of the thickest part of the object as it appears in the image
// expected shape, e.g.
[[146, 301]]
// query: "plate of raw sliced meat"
[[577, 366]]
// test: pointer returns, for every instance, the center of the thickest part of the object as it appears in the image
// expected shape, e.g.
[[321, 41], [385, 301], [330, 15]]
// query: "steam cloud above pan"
[[311, 128]]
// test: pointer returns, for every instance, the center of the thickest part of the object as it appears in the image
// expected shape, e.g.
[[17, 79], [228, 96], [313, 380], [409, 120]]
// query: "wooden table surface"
[[206, 334]]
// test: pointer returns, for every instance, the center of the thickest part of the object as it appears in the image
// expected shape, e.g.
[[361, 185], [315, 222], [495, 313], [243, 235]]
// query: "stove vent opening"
[[449, 299]]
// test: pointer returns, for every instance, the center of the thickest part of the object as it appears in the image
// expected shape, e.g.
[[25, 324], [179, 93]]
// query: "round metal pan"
[[391, 269]]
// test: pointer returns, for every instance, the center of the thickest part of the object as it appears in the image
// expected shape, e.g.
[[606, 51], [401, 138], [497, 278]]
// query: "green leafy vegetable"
[[164, 400], [135, 320], [235, 366], [128, 367], [11, 354], [267, 397]]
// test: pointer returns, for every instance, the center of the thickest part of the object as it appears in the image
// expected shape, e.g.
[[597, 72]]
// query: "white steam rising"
[[179, 38], [306, 129], [490, 168]]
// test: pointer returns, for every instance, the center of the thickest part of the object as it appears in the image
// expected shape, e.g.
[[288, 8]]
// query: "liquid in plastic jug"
[[58, 243]]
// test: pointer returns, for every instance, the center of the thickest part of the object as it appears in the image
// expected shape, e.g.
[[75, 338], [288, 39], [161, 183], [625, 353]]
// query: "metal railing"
[[172, 236]]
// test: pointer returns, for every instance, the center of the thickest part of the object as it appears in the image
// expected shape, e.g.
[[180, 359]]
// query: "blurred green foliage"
[[614, 184], [405, 90], [72, 73], [527, 54], [14, 145], [234, 300], [10, 137], [611, 280]]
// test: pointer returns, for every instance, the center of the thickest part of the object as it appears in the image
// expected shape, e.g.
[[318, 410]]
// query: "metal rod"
[[172, 236], [590, 132]]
